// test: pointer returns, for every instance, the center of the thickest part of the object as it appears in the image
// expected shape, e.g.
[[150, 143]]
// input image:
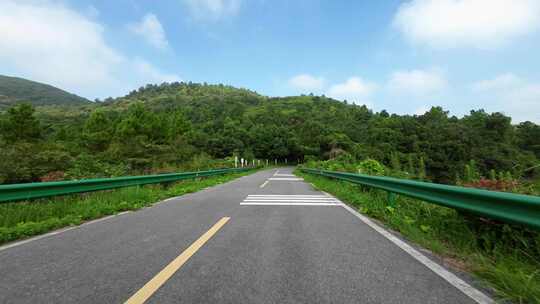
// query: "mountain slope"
[[15, 90]]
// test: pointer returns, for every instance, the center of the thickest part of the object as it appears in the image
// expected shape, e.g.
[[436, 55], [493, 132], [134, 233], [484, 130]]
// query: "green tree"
[[98, 131], [20, 124]]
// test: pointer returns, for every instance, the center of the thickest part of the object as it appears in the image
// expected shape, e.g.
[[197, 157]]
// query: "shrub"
[[370, 167]]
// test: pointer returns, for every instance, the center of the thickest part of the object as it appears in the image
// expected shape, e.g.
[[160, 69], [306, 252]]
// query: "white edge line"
[[35, 238], [65, 229], [290, 204], [451, 278], [264, 184]]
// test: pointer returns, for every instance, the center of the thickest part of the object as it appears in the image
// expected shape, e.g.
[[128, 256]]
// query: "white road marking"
[[296, 197], [289, 200], [289, 175], [451, 278], [285, 179], [282, 195], [289, 204], [65, 229], [264, 184], [35, 238], [290, 197], [322, 200]]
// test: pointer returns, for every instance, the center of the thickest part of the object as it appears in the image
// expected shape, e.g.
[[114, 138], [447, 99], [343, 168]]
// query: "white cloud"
[[422, 110], [48, 42], [152, 74], [51, 43], [417, 82], [151, 30], [508, 93], [355, 89], [458, 23], [213, 9], [523, 103], [504, 81], [307, 82]]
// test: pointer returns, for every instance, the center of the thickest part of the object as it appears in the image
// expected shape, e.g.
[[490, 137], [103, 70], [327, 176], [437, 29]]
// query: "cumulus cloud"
[[417, 82], [504, 81], [422, 110], [355, 89], [49, 42], [464, 23], [213, 9], [307, 82], [512, 95], [151, 30], [152, 74]]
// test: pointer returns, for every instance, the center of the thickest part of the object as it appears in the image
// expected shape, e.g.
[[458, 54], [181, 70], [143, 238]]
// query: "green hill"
[[16, 90], [164, 127]]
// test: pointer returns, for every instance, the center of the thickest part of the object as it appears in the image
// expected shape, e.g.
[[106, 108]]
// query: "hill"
[[165, 127], [15, 90]]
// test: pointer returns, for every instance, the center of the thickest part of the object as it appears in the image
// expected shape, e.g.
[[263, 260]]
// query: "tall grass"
[[23, 219], [505, 258]]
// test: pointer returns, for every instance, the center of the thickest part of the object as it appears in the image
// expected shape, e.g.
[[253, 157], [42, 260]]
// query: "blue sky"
[[403, 56]]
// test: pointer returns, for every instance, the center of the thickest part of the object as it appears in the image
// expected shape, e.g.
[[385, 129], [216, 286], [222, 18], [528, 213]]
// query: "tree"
[[20, 124], [97, 131], [528, 137]]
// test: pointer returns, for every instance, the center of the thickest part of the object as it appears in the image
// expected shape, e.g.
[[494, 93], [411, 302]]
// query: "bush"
[[370, 167]]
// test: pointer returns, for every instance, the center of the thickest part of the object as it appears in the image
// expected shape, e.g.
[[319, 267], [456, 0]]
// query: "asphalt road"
[[263, 238]]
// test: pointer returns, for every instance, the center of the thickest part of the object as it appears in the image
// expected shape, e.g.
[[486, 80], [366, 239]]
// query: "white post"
[[236, 161], [242, 162], [267, 162]]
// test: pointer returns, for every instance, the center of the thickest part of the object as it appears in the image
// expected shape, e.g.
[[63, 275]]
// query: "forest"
[[190, 126]]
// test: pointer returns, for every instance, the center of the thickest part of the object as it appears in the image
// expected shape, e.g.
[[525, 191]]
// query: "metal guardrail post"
[[391, 196]]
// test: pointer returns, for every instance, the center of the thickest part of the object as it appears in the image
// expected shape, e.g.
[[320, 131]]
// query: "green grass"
[[23, 219], [504, 258]]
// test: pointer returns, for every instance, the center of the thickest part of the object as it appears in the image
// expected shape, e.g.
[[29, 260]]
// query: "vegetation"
[[187, 126], [23, 219], [505, 256], [15, 90], [161, 128]]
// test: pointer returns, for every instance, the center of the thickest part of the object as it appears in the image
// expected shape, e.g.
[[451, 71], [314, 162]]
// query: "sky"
[[401, 56]]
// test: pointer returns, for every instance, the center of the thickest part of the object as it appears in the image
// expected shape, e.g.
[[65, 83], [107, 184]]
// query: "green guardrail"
[[17, 192], [507, 207]]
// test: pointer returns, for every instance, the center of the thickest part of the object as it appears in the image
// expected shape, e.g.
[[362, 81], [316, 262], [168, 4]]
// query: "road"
[[264, 238]]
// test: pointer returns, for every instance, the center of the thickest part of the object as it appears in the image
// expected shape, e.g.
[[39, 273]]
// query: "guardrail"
[[16, 192], [507, 207]]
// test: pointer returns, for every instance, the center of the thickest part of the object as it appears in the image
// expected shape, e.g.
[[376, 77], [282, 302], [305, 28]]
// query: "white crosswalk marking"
[[290, 200]]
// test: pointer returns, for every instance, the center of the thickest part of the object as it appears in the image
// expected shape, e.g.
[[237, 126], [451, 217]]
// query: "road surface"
[[264, 238]]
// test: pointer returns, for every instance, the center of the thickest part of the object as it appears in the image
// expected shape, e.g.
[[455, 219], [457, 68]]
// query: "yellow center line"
[[156, 282]]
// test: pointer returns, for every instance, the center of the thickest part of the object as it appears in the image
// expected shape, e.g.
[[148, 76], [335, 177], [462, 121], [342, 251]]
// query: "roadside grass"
[[505, 258], [24, 219]]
